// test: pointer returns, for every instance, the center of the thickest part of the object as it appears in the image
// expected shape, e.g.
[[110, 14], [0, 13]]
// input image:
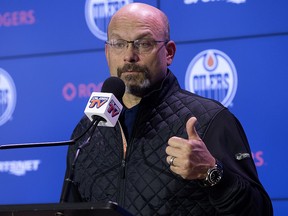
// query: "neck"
[[130, 100]]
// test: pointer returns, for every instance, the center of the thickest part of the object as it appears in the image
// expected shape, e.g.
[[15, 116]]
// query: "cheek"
[[112, 64], [113, 70], [157, 63]]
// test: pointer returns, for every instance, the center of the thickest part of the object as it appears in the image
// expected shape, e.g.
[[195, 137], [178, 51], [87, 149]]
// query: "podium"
[[64, 209]]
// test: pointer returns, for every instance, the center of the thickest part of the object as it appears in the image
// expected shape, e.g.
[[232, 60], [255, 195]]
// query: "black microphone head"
[[115, 86]]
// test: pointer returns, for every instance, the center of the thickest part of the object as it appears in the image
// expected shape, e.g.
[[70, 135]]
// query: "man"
[[173, 152]]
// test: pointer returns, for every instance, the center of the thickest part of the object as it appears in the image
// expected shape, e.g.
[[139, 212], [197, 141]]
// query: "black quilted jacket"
[[142, 182]]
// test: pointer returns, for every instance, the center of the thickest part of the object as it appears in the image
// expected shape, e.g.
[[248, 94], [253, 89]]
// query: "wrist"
[[213, 175]]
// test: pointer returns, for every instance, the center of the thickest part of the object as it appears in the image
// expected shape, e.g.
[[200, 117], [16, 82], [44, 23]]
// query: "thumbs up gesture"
[[190, 157]]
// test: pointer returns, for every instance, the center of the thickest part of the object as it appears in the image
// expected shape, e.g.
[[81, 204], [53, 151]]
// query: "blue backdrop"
[[52, 58]]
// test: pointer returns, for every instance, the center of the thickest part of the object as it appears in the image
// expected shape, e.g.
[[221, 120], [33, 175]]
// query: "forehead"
[[135, 25]]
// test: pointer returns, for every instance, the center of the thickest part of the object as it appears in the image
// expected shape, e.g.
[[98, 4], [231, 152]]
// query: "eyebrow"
[[142, 35]]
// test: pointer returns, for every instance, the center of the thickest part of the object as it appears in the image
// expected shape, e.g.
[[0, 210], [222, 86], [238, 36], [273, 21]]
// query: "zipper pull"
[[123, 165]]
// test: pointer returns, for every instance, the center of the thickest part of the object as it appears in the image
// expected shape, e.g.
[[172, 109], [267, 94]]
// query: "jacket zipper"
[[122, 169], [123, 166], [123, 162]]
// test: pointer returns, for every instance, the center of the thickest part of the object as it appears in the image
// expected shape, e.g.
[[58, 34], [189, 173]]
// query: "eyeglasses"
[[143, 46]]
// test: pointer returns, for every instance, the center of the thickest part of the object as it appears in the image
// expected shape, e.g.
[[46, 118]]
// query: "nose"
[[131, 53]]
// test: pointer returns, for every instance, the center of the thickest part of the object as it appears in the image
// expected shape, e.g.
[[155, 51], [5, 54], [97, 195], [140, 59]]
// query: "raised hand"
[[190, 157]]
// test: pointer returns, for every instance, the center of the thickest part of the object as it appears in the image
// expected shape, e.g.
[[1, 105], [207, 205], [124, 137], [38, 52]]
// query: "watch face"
[[215, 176]]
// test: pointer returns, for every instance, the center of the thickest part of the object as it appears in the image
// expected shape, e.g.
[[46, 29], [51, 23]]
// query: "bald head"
[[141, 65], [144, 13]]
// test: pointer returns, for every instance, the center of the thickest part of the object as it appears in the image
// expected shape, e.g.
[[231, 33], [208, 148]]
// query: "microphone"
[[105, 105], [116, 87], [103, 109]]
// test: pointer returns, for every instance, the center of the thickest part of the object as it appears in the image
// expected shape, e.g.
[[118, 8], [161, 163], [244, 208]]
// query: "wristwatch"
[[214, 175]]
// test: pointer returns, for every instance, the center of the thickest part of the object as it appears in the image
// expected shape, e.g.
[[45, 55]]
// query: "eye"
[[119, 44], [144, 43]]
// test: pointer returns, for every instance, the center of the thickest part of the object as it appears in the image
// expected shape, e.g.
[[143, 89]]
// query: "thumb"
[[191, 130]]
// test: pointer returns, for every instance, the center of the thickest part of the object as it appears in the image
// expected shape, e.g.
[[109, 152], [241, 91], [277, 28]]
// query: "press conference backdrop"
[[52, 58]]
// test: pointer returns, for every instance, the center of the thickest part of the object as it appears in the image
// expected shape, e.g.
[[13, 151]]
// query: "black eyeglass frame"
[[135, 44]]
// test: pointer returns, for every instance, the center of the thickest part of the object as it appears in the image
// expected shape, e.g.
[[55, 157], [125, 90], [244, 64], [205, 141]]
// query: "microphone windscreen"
[[115, 86]]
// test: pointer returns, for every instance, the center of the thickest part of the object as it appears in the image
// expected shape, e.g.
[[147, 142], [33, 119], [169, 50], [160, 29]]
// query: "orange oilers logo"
[[7, 96], [97, 101], [212, 74], [98, 14]]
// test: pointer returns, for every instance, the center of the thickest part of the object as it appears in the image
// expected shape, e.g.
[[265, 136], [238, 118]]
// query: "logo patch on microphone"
[[212, 74], [97, 101], [98, 14], [105, 105], [113, 109], [7, 96]]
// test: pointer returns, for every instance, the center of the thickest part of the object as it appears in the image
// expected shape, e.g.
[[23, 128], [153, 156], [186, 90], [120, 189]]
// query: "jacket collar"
[[163, 90]]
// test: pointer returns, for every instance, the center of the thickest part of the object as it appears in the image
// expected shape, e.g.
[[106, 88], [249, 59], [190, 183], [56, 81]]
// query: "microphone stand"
[[70, 179], [47, 144]]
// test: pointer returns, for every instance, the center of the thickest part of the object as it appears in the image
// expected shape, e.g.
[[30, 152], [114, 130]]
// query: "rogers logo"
[[71, 91], [17, 18]]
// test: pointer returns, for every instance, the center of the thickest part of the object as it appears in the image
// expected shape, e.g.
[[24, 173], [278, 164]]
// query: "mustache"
[[132, 67]]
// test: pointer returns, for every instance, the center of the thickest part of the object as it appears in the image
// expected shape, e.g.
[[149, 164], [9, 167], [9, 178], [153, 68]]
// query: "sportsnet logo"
[[19, 168], [98, 14], [212, 74], [7, 97]]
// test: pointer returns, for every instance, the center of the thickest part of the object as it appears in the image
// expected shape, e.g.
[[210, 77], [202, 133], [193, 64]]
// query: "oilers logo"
[[7, 96], [98, 14], [212, 74]]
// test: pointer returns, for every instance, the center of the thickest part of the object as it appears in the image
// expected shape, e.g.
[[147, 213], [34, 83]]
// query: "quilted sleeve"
[[240, 191]]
